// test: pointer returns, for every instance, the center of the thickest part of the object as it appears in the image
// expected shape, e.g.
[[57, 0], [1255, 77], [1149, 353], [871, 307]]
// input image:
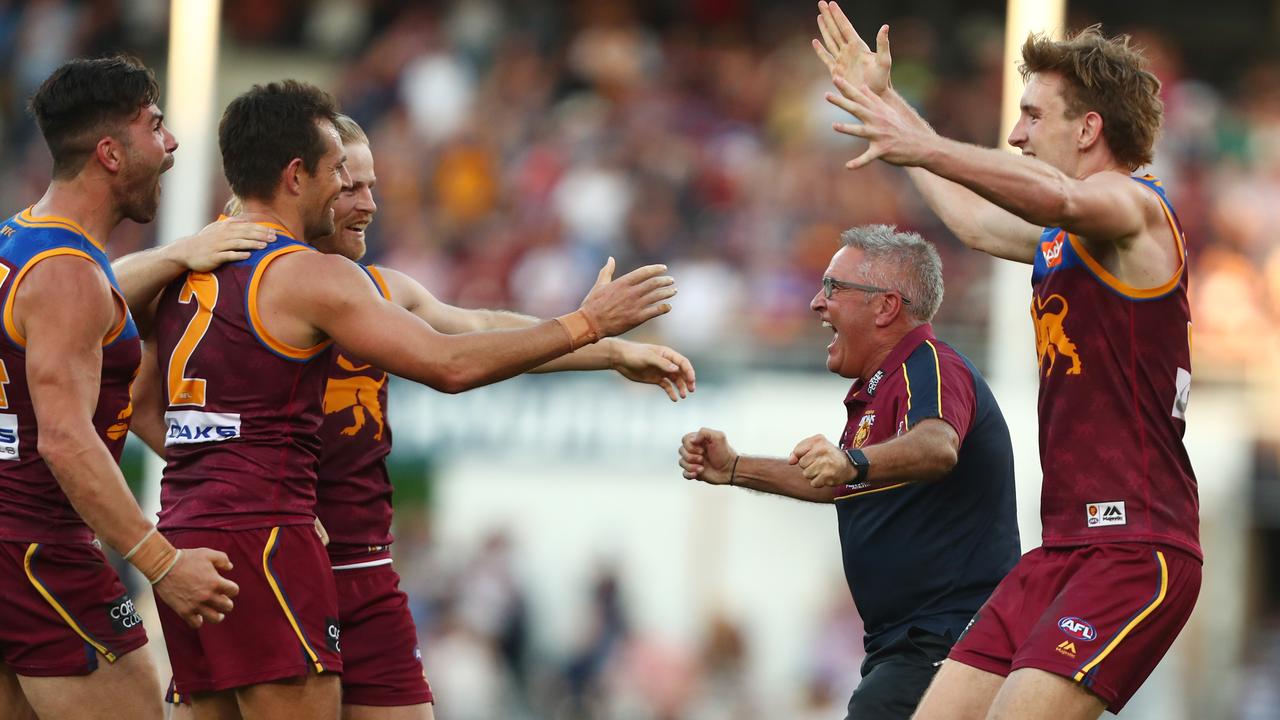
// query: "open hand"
[[616, 306], [220, 242], [897, 135], [656, 365], [844, 53]]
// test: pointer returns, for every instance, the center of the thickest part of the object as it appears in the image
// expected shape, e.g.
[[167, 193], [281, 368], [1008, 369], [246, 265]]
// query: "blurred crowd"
[[519, 143]]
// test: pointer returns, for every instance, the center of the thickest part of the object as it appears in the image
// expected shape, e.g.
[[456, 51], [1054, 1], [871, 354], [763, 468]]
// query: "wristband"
[[176, 556], [153, 556], [580, 328], [129, 555], [734, 471]]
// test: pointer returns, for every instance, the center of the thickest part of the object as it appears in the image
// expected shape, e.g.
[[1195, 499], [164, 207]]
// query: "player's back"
[[1115, 365], [353, 496], [32, 505], [244, 409]]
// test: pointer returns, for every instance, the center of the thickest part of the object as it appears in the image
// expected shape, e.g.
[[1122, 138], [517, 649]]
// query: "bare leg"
[[129, 687], [401, 712], [13, 704], [211, 706], [317, 697], [959, 692], [1031, 694]]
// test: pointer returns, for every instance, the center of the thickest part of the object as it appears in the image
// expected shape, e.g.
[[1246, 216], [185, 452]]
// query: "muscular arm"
[[64, 372], [308, 296], [451, 320], [148, 401], [976, 222]]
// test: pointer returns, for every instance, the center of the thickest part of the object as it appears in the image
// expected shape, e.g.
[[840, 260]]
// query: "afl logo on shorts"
[[1077, 628]]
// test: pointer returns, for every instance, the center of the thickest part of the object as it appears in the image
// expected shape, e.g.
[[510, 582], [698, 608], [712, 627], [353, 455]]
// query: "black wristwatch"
[[860, 463]]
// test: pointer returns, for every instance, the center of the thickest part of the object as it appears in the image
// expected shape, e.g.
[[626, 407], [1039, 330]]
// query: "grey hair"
[[901, 261]]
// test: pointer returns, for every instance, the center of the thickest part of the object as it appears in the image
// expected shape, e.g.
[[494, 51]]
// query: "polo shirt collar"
[[865, 391]]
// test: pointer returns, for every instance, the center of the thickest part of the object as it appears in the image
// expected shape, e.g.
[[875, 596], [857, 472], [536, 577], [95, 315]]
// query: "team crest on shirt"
[[357, 393], [864, 428], [1052, 341]]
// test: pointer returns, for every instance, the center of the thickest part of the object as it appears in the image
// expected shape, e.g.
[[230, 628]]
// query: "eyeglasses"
[[830, 284]]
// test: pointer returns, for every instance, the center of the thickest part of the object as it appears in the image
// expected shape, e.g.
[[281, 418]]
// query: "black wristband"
[[861, 465], [734, 471]]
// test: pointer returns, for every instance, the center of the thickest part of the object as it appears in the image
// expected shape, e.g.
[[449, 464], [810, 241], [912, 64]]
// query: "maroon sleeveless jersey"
[[244, 409], [353, 496], [33, 507], [1115, 376]]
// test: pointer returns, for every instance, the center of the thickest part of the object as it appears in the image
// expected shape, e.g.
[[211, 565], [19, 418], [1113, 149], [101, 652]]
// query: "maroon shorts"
[[379, 640], [65, 608], [1102, 615], [285, 622]]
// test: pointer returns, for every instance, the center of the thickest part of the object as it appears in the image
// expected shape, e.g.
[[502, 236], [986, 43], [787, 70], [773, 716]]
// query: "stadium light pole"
[[1010, 337], [188, 106]]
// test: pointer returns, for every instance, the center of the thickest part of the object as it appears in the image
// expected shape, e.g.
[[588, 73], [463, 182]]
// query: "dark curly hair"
[[263, 130]]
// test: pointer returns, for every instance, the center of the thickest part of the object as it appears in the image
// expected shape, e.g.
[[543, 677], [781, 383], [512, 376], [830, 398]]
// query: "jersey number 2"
[[203, 288]]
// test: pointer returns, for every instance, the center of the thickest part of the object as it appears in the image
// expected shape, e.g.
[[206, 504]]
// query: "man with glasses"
[[922, 478]]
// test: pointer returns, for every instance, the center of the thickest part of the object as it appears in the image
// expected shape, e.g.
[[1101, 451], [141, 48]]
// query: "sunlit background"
[[558, 564]]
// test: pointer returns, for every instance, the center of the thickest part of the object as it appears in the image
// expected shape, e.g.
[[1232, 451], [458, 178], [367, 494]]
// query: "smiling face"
[[354, 209], [1043, 130], [849, 314], [148, 153], [321, 190]]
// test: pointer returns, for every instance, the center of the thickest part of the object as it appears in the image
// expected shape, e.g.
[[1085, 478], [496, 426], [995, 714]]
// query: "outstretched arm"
[[142, 276], [313, 296], [638, 362]]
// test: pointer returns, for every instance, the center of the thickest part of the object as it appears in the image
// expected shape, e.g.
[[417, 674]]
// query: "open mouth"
[[835, 334], [357, 229]]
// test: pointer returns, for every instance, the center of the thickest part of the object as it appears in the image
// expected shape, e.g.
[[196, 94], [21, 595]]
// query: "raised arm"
[[638, 362], [705, 455], [143, 275], [64, 372], [978, 223]]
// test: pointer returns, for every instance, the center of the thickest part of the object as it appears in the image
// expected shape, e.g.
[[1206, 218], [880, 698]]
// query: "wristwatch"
[[861, 465]]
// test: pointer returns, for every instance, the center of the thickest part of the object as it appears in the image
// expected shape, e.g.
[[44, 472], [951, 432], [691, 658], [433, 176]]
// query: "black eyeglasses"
[[830, 284]]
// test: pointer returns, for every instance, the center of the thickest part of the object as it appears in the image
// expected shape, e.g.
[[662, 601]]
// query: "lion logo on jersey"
[[121, 428], [864, 428], [359, 393], [1051, 338]]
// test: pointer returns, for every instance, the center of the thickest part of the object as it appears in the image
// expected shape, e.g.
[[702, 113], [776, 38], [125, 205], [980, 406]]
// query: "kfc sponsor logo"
[[1052, 251]]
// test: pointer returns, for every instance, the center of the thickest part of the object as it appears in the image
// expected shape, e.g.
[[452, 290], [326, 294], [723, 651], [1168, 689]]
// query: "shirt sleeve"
[[939, 385]]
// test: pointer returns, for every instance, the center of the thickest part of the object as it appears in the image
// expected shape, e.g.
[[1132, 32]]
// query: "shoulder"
[[934, 364], [398, 287]]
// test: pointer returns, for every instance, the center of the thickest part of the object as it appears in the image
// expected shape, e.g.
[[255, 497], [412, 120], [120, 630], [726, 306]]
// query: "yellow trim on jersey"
[[379, 280], [906, 419], [869, 492], [1164, 586], [1125, 289], [123, 305], [12, 327], [66, 616], [26, 219], [275, 588], [937, 366], [256, 319]]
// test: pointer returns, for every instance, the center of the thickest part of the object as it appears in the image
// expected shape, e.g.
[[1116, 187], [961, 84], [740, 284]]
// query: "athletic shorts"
[[895, 677], [379, 640], [1102, 615], [66, 608], [285, 621]]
